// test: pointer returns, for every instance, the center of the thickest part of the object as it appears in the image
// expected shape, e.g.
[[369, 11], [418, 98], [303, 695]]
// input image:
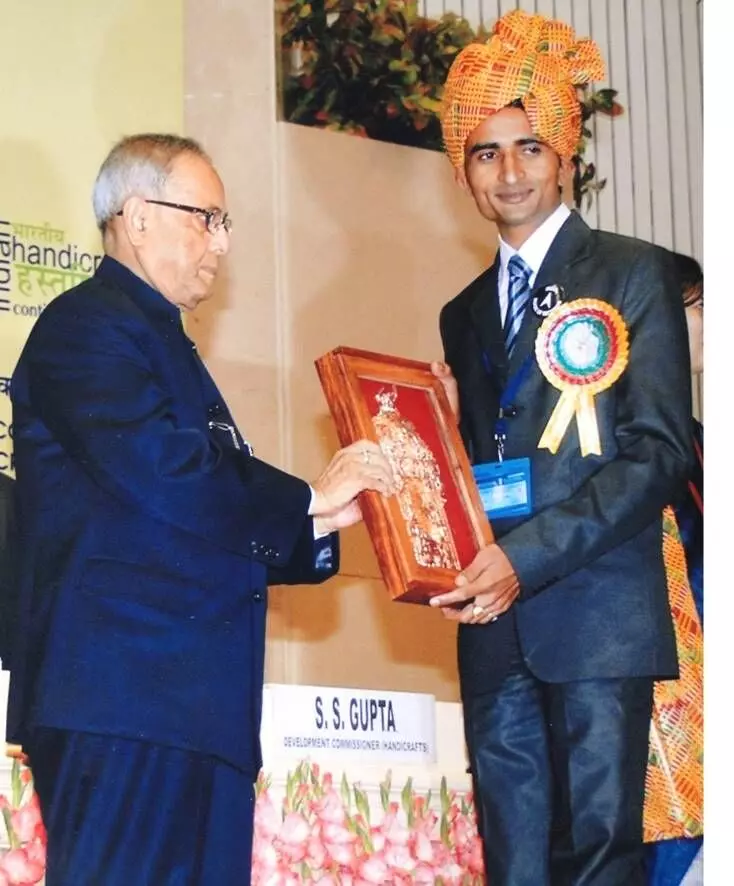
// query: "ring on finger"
[[477, 611]]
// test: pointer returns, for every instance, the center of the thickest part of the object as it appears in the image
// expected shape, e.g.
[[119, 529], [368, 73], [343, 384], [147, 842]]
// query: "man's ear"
[[135, 219], [460, 179], [565, 173]]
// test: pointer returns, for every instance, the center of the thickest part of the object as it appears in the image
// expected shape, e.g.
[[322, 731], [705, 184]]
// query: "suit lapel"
[[485, 313], [570, 246]]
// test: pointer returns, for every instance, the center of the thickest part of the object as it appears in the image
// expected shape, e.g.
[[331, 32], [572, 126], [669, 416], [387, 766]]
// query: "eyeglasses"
[[215, 219]]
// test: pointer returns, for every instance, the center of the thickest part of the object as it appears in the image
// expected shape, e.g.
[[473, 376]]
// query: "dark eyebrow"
[[495, 146]]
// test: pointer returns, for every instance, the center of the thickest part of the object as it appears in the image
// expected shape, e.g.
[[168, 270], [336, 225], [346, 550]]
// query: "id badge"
[[505, 487]]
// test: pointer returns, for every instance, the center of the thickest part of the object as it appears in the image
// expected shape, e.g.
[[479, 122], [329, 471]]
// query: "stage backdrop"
[[75, 77]]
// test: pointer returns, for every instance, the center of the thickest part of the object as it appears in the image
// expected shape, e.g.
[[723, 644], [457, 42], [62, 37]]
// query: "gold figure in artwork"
[[419, 486]]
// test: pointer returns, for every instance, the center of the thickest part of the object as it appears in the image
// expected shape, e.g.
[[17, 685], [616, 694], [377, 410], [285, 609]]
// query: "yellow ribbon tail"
[[560, 419], [587, 424], [578, 402]]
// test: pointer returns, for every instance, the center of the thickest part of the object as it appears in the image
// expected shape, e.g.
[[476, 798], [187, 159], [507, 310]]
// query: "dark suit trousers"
[[121, 812], [559, 772]]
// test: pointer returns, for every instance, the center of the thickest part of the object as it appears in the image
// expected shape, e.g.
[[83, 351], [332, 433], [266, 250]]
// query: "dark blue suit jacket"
[[593, 595], [147, 538]]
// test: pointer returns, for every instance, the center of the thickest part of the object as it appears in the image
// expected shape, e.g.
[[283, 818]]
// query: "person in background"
[[689, 512], [564, 621], [672, 859], [149, 533]]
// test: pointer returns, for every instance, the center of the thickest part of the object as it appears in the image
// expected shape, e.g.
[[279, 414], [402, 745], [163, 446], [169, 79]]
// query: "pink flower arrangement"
[[324, 836], [24, 863], [319, 835]]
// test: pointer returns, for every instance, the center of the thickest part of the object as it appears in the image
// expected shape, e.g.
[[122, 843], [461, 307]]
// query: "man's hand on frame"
[[357, 467]]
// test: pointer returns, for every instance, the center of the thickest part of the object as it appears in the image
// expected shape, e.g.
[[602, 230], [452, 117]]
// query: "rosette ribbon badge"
[[582, 348]]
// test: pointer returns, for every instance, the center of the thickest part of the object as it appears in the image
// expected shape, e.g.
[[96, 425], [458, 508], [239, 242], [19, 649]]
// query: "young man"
[[571, 359]]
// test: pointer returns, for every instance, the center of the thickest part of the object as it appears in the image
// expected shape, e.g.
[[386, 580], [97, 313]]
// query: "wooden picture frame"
[[433, 527]]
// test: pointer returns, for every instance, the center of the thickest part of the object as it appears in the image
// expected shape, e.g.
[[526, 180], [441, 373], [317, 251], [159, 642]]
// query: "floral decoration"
[[24, 862], [376, 68], [585, 180], [320, 834], [324, 834]]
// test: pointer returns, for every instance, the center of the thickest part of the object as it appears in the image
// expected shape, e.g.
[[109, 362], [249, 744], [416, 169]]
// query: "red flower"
[[26, 821], [19, 869]]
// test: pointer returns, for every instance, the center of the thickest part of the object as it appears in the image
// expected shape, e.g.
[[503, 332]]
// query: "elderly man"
[[148, 535], [571, 359]]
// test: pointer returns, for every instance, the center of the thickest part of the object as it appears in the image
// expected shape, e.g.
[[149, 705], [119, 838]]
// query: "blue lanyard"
[[507, 405]]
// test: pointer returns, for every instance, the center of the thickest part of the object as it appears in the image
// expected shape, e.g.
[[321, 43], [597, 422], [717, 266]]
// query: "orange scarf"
[[674, 783]]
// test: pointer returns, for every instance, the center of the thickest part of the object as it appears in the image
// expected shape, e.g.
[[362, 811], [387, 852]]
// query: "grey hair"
[[138, 166]]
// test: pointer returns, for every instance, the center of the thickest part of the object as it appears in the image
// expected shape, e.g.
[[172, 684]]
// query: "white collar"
[[534, 249]]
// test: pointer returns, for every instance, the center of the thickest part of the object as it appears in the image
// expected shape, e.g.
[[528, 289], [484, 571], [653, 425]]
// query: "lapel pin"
[[546, 299]]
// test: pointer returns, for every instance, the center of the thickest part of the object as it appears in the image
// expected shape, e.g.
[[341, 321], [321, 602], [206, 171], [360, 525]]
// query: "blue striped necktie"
[[518, 293]]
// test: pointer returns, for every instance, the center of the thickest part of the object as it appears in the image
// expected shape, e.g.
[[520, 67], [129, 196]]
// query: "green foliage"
[[21, 790], [346, 793], [376, 68], [585, 181], [363, 806], [13, 840], [406, 799], [385, 787]]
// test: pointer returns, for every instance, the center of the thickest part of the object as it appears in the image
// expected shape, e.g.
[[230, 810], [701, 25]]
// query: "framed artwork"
[[434, 525]]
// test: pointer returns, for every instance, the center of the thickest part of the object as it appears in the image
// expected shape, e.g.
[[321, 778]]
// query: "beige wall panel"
[[230, 108], [376, 238], [349, 633]]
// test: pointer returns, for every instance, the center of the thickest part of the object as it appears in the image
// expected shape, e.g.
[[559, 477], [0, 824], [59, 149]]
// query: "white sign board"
[[325, 722]]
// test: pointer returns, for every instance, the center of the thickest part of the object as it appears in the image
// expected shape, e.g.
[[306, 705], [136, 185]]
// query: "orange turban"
[[528, 57]]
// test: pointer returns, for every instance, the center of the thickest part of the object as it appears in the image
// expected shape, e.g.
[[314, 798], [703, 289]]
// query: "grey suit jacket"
[[593, 595]]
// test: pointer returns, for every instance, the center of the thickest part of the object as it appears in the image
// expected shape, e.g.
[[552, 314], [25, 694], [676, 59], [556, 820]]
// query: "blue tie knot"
[[519, 270]]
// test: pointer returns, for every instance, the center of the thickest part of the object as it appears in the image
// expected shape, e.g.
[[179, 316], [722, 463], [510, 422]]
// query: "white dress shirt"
[[532, 251]]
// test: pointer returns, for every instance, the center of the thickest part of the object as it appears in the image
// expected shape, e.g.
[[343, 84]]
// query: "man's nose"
[[220, 242], [511, 170]]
